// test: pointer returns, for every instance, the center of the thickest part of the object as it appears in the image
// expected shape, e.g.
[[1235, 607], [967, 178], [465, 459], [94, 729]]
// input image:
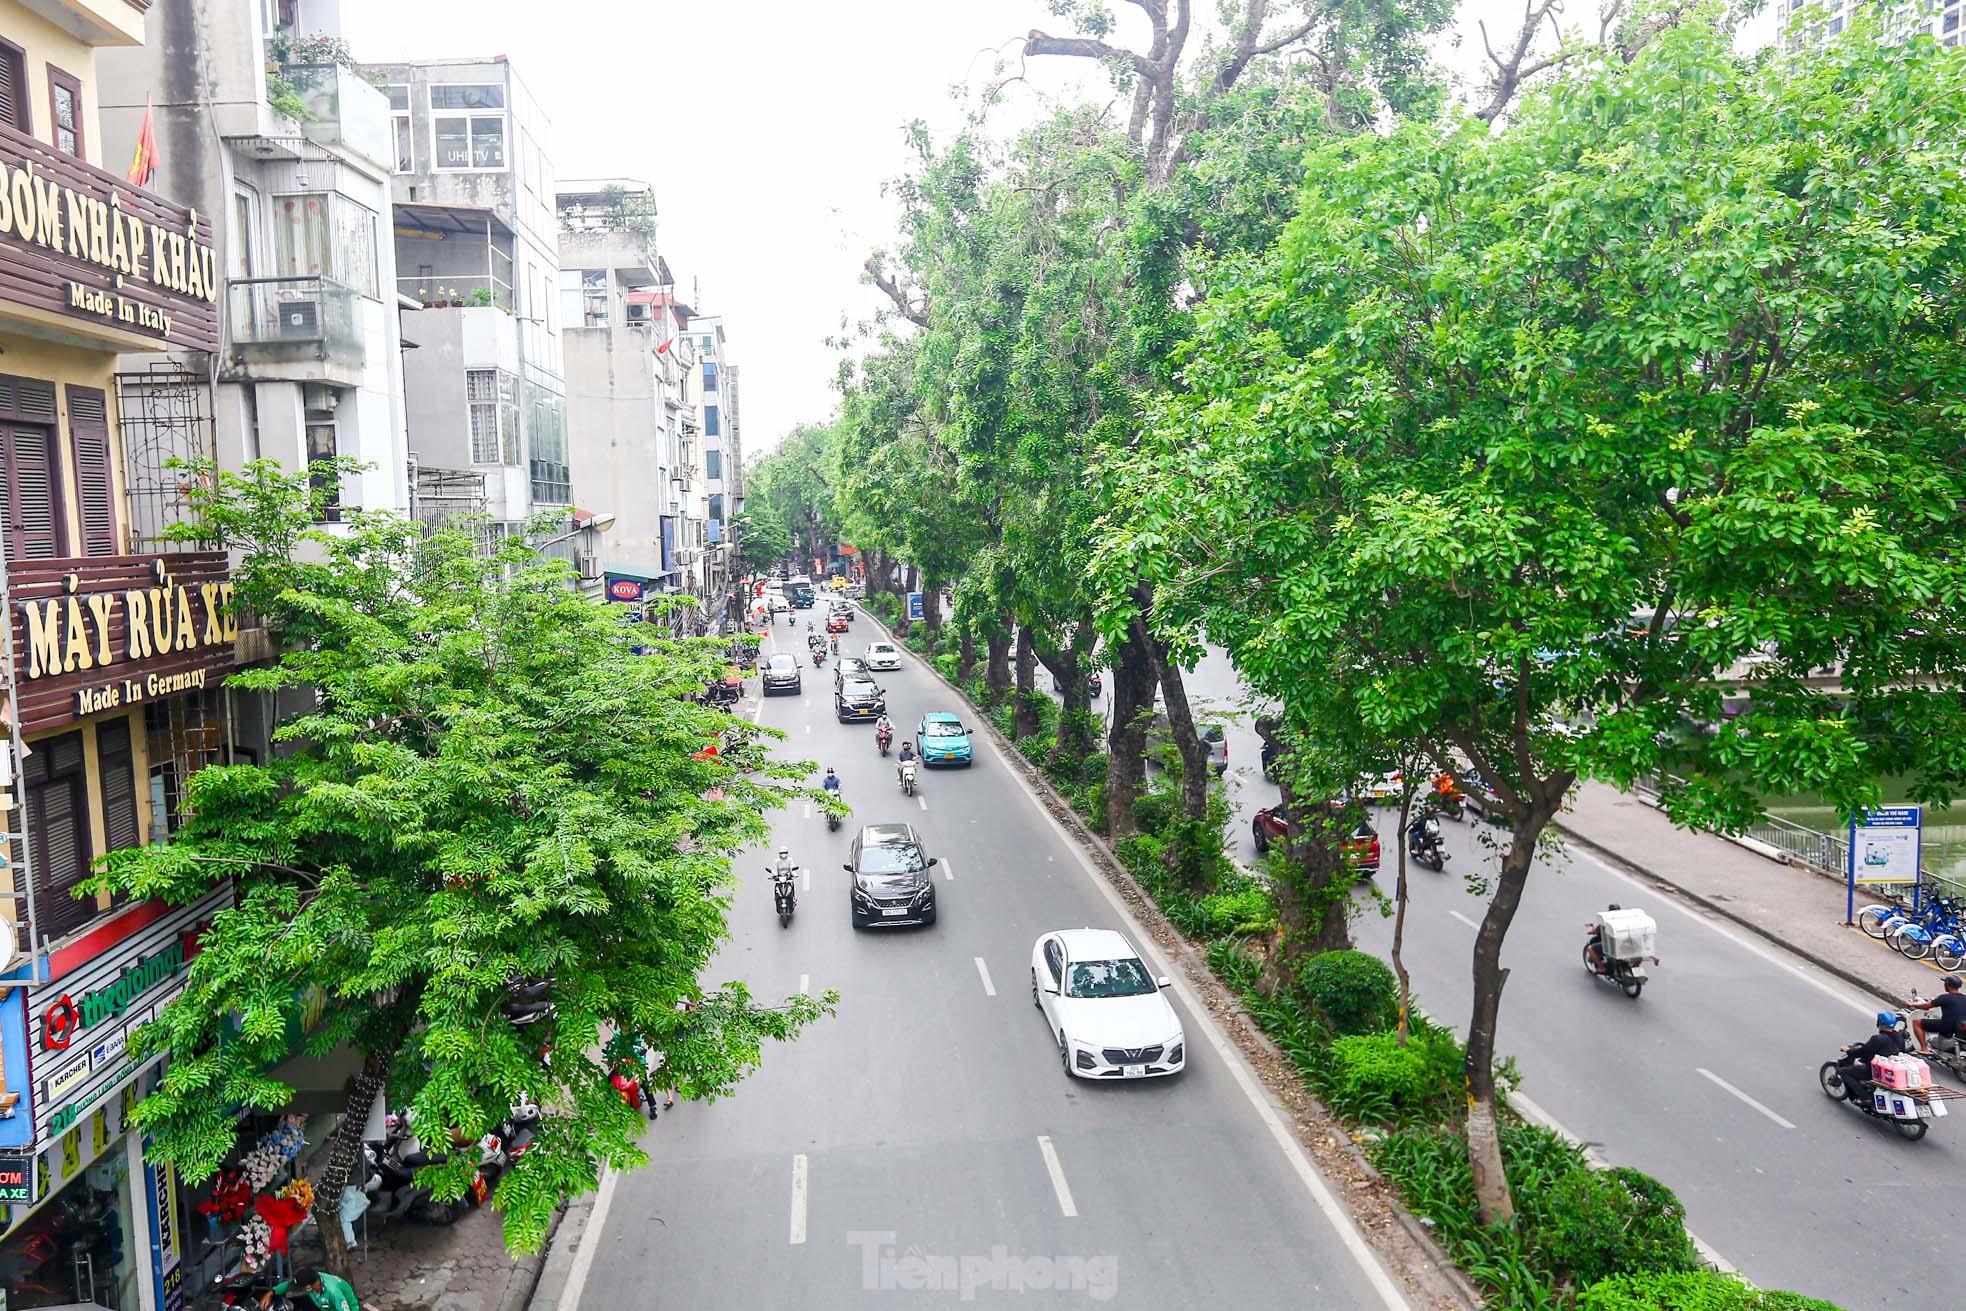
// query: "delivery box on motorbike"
[[1629, 934], [1900, 1072]]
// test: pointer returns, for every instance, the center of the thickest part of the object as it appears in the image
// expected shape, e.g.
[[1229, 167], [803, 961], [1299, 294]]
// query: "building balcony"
[[438, 291], [344, 110], [293, 330], [95, 22]]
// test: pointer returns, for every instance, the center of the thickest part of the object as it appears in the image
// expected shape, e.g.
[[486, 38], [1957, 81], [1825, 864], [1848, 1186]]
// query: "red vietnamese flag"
[[145, 159]]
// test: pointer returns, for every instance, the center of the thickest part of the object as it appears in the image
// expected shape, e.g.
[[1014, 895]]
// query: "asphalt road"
[[1707, 1081], [929, 1118]]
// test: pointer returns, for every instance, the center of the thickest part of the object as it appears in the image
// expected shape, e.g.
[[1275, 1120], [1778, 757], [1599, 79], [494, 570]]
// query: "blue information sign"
[[1885, 847], [915, 612]]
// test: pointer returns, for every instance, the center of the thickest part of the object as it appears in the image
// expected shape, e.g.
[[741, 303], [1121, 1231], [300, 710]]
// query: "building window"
[[712, 422], [717, 506], [713, 464], [323, 445], [493, 397], [13, 88], [245, 244], [327, 236], [709, 375], [65, 110], [95, 491], [467, 140], [30, 469], [552, 480], [58, 832]]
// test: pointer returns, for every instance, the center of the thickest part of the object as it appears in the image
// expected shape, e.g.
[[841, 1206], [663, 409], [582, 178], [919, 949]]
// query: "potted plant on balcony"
[[479, 296], [453, 298]]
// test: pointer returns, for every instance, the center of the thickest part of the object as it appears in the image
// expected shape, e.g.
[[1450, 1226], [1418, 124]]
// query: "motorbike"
[[884, 738], [1945, 1051], [833, 816], [1906, 1110], [246, 1287], [1423, 843], [907, 778], [1627, 974], [783, 897], [390, 1180]]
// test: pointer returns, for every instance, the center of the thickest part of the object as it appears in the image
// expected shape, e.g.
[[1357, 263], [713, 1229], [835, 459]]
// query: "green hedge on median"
[[1700, 1290]]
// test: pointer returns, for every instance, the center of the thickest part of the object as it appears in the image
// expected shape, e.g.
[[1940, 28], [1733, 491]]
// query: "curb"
[[1629, 866], [1196, 967], [554, 1260]]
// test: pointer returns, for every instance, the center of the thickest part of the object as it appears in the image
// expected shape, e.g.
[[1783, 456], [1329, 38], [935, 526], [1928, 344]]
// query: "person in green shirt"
[[323, 1290]]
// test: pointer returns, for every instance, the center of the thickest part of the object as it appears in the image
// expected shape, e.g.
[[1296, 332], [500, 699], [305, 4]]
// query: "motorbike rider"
[[833, 640], [1854, 1069], [882, 727], [1951, 1022], [906, 757], [784, 875], [1597, 938], [831, 783]]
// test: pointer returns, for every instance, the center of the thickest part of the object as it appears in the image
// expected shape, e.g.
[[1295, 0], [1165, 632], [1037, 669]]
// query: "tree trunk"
[[1399, 915], [932, 607], [1493, 1202], [343, 1152], [1024, 719], [1126, 740], [1187, 735], [965, 653], [1312, 896], [996, 674]]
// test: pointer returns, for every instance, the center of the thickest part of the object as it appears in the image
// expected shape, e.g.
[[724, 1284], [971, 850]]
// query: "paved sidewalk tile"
[[411, 1266], [1795, 906]]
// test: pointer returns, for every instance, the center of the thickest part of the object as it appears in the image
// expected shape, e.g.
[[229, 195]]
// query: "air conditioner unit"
[[587, 563], [300, 318]]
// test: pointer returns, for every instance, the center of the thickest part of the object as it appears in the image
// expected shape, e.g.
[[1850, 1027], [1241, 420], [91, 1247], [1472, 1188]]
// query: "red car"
[[1360, 850], [836, 624]]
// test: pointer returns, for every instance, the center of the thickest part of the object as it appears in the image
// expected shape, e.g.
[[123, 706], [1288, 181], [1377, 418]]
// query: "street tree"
[[486, 786], [1547, 447]]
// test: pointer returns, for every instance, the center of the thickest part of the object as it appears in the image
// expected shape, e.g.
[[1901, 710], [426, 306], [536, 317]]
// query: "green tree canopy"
[[1532, 445], [489, 787]]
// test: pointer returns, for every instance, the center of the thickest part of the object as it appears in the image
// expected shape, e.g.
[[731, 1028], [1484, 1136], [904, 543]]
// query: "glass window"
[[492, 398], [552, 481], [470, 141], [355, 262], [323, 445], [320, 236], [713, 464], [244, 239], [467, 95], [709, 375], [712, 422], [716, 508], [570, 301], [65, 108], [405, 143], [399, 97]]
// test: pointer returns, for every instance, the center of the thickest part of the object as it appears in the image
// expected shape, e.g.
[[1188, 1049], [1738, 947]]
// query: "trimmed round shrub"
[[1374, 1080], [1354, 991], [1690, 1290], [1600, 1223]]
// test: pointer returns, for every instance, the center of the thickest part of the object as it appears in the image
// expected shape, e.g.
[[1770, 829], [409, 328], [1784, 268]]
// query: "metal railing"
[[318, 313]]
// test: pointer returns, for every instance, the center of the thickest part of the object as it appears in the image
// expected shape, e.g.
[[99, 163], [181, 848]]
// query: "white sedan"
[[1104, 1007], [883, 655]]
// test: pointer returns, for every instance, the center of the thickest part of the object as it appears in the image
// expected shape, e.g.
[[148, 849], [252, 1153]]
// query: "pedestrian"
[[323, 1290]]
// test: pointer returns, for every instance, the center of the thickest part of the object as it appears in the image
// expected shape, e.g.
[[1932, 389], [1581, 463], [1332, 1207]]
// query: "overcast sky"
[[766, 127]]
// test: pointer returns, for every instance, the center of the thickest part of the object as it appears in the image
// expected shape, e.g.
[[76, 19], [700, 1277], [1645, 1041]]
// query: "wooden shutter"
[[13, 88], [58, 831], [95, 485], [117, 759], [33, 531]]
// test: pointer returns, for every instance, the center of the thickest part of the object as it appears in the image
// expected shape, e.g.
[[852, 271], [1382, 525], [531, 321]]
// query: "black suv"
[[891, 880], [781, 674], [858, 698]]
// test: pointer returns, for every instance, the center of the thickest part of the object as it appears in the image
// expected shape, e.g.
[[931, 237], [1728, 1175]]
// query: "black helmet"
[[1950, 981], [1614, 906]]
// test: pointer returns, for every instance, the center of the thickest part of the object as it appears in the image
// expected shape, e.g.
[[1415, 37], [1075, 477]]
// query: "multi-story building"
[[116, 647], [265, 126], [477, 253], [1939, 19], [621, 339], [723, 455]]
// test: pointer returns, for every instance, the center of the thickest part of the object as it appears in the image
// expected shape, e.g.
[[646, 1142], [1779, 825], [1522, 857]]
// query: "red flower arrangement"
[[229, 1200]]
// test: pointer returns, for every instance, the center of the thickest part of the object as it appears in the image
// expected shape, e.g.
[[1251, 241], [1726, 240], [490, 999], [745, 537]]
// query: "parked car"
[[943, 739], [883, 655], [891, 881], [781, 674], [858, 698], [1360, 850], [1106, 1010]]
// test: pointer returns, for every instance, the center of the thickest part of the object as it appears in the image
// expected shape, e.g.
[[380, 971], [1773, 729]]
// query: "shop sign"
[[165, 1258], [82, 244], [84, 1022], [16, 1180], [624, 589], [16, 1081], [98, 1126], [105, 634]]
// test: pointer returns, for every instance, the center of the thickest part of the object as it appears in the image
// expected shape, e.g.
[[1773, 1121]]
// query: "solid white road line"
[[1057, 1172], [1721, 1083], [799, 1199], [805, 880], [590, 1242], [1232, 1060], [989, 988], [805, 985], [948, 870], [1465, 920]]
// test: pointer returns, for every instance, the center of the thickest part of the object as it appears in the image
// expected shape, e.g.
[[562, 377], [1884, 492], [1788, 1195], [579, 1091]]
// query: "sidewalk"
[[1791, 905], [458, 1267]]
